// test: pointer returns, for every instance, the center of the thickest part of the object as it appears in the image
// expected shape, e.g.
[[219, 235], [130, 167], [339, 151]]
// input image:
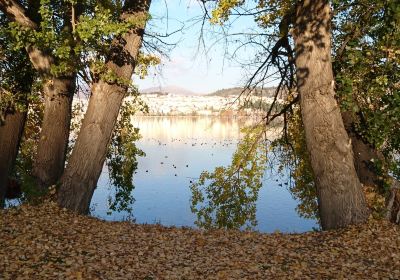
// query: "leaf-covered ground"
[[45, 242]]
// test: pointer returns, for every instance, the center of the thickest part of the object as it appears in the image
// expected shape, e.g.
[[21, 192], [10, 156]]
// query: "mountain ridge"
[[176, 90], [233, 91]]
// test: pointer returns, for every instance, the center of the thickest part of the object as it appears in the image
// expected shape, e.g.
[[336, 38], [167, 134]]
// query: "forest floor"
[[46, 242]]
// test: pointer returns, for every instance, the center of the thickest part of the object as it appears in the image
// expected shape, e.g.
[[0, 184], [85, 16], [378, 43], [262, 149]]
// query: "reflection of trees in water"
[[226, 197], [123, 152]]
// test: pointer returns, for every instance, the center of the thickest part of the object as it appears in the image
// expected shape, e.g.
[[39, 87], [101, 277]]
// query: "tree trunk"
[[50, 158], [393, 202], [10, 136], [340, 198], [87, 159], [364, 155]]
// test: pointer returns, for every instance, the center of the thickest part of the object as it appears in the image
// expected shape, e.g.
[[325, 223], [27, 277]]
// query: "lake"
[[177, 150]]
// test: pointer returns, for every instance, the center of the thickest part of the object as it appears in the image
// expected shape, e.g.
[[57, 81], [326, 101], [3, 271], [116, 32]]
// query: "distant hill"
[[266, 92], [235, 91], [169, 89]]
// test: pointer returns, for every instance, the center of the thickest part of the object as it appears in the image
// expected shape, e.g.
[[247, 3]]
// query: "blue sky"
[[186, 66]]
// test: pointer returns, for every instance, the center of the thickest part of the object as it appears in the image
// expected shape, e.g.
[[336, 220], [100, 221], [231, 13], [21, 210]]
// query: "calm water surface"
[[192, 145]]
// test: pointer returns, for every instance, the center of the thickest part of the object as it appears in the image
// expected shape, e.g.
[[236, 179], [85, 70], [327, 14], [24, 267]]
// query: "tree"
[[76, 37], [36, 32], [86, 161], [340, 197], [367, 64], [16, 78], [306, 75], [365, 36]]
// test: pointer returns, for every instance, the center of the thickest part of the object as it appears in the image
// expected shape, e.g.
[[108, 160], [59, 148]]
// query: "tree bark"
[[58, 92], [10, 136], [364, 155], [341, 201], [393, 202], [50, 158], [87, 159]]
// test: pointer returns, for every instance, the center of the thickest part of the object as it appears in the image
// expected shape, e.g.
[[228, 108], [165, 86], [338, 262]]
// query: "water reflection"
[[204, 129], [177, 150], [226, 197]]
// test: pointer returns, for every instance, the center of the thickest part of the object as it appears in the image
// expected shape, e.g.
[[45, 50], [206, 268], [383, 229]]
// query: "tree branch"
[[15, 12]]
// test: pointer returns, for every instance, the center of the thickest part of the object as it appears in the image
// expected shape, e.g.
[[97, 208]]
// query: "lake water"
[[177, 150]]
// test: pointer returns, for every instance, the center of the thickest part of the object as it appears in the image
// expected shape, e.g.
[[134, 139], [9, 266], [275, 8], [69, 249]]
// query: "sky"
[[186, 66]]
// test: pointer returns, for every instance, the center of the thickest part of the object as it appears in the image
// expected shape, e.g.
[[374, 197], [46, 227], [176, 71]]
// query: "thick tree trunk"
[[50, 158], [10, 136], [58, 91], [340, 197], [86, 162]]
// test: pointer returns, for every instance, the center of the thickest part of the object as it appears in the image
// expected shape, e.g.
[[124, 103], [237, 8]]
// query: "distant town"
[[174, 101]]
